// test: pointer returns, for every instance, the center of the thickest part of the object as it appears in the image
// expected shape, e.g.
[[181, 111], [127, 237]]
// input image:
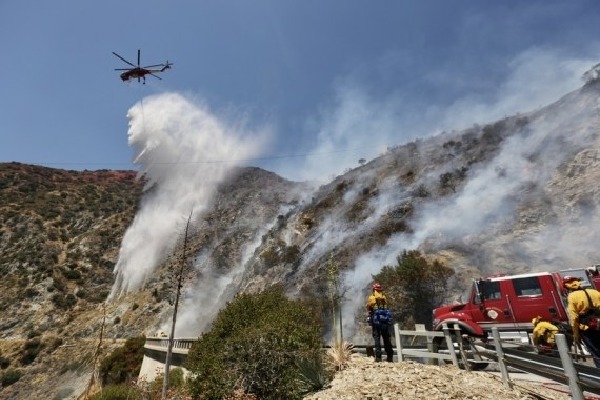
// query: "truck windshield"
[[529, 286], [490, 290]]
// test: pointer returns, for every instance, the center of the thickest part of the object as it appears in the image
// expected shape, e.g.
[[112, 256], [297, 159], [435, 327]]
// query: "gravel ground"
[[366, 380]]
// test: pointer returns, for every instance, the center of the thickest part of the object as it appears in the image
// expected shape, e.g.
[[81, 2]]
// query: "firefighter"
[[543, 335], [380, 318], [583, 307]]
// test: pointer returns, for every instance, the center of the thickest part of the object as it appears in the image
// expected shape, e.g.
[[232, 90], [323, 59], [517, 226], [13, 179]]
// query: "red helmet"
[[377, 286], [570, 279]]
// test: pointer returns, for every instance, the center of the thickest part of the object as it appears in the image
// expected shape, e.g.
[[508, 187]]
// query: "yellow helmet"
[[536, 320]]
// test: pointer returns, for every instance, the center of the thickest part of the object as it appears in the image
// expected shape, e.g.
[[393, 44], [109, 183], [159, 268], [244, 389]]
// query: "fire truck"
[[510, 302]]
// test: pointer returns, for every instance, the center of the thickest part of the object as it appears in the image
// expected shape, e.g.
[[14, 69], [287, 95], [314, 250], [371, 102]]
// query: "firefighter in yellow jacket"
[[380, 318], [543, 335], [583, 307]]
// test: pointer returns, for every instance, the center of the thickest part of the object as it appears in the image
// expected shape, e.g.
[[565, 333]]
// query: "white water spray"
[[183, 152]]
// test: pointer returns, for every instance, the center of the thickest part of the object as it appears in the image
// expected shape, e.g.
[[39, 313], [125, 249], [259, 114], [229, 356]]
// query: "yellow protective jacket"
[[543, 333], [578, 304], [376, 300]]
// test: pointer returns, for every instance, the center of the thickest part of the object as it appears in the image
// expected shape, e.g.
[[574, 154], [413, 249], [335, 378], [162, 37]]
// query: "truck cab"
[[506, 302], [510, 302]]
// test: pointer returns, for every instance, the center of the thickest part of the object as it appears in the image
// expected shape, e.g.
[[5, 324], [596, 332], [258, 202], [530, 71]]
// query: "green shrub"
[[176, 383], [98, 297], [10, 376], [292, 255], [255, 345], [52, 343], [58, 299], [124, 363], [176, 378], [70, 300], [71, 274], [31, 349], [33, 333], [414, 287], [118, 392]]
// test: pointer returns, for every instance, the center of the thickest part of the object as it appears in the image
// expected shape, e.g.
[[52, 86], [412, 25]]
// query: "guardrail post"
[[501, 363], [431, 348], [450, 344], [569, 368], [398, 342], [461, 350]]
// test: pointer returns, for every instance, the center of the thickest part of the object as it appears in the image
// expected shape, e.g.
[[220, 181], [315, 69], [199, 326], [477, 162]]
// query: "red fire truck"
[[510, 302]]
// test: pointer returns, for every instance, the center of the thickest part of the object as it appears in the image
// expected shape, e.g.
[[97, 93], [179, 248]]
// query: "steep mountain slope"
[[515, 195], [512, 196], [60, 238]]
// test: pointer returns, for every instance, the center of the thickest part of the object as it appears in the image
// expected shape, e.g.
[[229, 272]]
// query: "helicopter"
[[140, 72]]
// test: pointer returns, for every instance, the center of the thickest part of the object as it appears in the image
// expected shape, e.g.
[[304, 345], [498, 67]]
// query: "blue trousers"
[[591, 340], [382, 331]]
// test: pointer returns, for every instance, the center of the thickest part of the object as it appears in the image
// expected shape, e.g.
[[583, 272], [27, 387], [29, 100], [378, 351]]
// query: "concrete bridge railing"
[[155, 355]]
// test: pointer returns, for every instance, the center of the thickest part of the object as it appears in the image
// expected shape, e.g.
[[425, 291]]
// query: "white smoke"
[[183, 152], [488, 199], [359, 124], [206, 297]]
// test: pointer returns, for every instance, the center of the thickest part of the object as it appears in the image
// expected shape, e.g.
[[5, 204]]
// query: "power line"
[[265, 158]]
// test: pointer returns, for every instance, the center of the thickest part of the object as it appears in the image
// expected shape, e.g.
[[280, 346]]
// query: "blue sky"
[[334, 81]]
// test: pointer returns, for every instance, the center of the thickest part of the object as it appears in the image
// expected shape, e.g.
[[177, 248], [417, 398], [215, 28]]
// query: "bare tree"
[[180, 273], [336, 294], [95, 380]]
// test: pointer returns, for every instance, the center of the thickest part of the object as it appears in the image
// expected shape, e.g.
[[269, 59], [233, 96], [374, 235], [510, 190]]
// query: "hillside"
[[59, 236], [60, 239], [513, 195]]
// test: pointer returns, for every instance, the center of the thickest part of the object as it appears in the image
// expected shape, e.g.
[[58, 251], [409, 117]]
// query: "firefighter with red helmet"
[[380, 318], [583, 307], [543, 335]]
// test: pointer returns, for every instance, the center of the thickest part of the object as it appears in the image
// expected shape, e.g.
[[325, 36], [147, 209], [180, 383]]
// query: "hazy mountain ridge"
[[516, 195]]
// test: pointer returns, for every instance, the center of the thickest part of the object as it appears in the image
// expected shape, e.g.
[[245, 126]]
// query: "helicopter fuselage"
[[135, 73]]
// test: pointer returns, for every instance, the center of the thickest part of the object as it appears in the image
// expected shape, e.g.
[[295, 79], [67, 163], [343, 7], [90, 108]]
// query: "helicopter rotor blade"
[[122, 59], [122, 69], [156, 76], [152, 66], [138, 57]]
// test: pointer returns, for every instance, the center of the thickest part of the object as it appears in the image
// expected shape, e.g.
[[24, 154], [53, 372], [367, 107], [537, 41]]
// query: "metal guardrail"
[[579, 377], [178, 343], [563, 370]]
